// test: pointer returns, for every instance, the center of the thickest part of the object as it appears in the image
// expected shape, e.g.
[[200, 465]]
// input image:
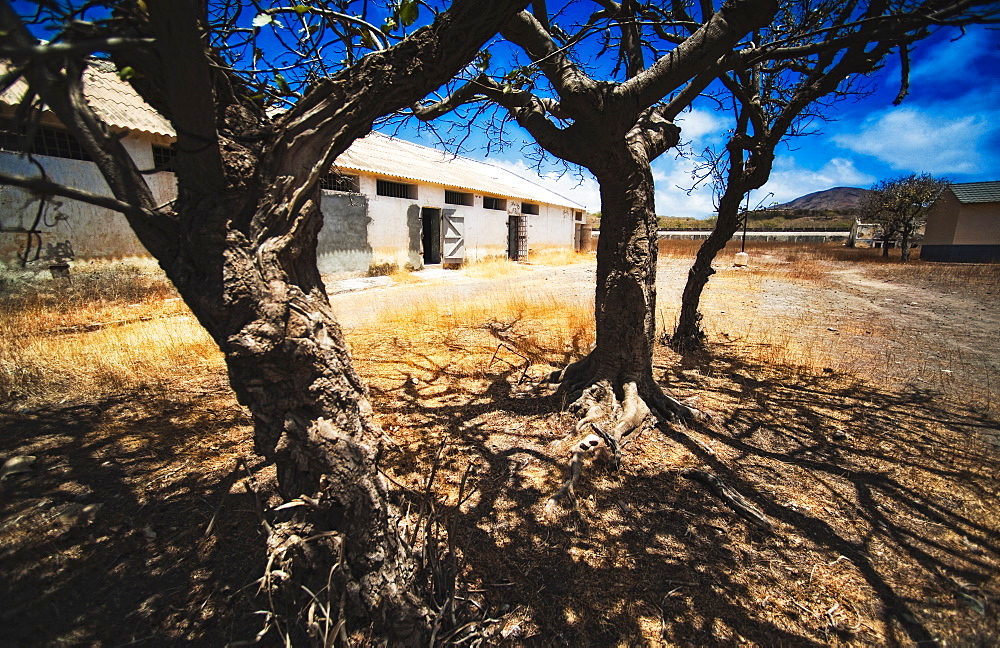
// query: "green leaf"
[[126, 73], [300, 9], [262, 19], [389, 25], [282, 84], [409, 11], [367, 40]]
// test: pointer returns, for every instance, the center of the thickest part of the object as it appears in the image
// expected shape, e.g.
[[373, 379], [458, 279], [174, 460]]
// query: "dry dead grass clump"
[[416, 339], [557, 256], [111, 327]]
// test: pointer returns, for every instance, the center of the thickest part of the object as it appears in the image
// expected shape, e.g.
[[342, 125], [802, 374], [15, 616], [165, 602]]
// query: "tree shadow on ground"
[[881, 503], [107, 541]]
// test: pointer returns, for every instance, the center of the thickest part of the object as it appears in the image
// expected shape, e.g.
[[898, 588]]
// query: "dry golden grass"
[[557, 256], [547, 329], [110, 328], [884, 500], [491, 267]]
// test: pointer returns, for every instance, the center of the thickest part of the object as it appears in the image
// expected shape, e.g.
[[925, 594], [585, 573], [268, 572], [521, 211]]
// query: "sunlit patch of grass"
[[557, 256], [431, 338], [110, 328], [491, 267]]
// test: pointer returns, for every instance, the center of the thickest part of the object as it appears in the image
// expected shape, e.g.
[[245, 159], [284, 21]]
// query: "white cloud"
[[935, 140], [673, 179], [790, 181], [700, 127], [936, 60]]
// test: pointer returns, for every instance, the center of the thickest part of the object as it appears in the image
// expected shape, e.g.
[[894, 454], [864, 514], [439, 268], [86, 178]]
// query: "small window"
[[529, 208], [164, 158], [457, 198], [489, 202], [46, 141], [340, 182], [396, 189]]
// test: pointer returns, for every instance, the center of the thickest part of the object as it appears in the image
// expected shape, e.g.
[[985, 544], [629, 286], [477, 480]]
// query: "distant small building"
[[963, 224], [864, 235]]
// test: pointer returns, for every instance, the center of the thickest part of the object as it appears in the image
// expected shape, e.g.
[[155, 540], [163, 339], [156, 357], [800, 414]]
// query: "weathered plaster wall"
[[93, 232], [942, 218], [343, 243], [978, 224], [551, 227]]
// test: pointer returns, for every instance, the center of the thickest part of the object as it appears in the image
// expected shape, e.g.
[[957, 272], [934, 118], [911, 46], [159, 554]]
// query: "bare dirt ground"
[[853, 406]]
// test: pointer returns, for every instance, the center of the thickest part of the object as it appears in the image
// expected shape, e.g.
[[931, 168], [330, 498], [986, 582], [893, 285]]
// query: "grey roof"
[[977, 192], [387, 156]]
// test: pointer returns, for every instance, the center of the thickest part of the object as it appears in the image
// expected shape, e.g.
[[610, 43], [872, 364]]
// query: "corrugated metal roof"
[[111, 98], [977, 192], [380, 154], [119, 105]]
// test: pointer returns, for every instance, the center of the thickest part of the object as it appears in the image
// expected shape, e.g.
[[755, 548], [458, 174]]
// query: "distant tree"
[[899, 206]]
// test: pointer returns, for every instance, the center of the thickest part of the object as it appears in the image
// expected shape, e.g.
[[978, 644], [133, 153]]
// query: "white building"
[[386, 202]]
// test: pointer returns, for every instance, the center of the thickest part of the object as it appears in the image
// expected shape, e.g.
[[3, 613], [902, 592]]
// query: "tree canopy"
[[899, 206]]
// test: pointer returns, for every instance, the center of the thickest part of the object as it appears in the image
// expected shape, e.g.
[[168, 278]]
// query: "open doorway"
[[431, 238]]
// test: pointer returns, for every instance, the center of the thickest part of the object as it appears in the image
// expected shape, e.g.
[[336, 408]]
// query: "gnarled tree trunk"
[[625, 298], [239, 243]]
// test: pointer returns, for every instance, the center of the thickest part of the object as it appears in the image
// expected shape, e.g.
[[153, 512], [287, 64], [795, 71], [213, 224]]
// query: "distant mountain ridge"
[[836, 199]]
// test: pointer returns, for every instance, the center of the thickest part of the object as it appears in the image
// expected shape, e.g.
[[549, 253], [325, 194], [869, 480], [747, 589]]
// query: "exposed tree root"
[[610, 411]]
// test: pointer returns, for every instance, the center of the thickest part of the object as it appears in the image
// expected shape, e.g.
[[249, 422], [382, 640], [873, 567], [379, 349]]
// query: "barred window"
[[340, 182], [396, 189], [529, 208], [47, 140], [164, 158], [489, 202], [457, 198]]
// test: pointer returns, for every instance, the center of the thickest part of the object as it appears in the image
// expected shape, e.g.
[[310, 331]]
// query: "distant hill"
[[836, 199]]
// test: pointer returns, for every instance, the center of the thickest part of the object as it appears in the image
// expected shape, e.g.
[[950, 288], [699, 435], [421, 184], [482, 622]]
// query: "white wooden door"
[[453, 234]]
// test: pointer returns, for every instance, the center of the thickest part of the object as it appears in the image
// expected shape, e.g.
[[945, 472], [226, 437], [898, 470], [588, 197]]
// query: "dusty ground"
[[138, 522]]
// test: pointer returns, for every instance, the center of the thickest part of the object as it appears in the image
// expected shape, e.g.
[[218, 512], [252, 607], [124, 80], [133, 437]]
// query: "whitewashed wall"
[[94, 232], [394, 227]]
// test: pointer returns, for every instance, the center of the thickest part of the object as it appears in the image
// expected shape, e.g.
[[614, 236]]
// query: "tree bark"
[[239, 243], [625, 297]]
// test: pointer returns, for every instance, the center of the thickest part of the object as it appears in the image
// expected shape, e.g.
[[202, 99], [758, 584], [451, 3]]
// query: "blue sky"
[[948, 125]]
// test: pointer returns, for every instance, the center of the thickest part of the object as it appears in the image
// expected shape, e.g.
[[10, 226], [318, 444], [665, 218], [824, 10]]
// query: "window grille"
[[529, 208], [457, 198], [396, 189], [164, 158], [489, 202], [47, 141], [340, 182]]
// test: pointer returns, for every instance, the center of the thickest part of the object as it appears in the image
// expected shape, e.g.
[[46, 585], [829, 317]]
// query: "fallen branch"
[[730, 497]]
